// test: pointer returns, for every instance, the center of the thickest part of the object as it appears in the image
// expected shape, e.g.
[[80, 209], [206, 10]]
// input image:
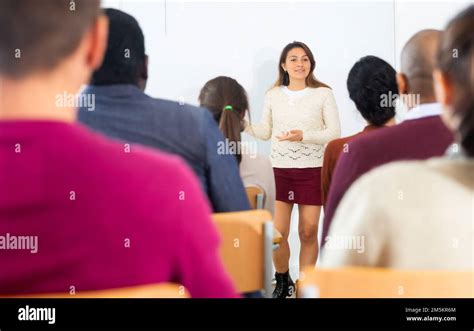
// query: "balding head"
[[418, 62]]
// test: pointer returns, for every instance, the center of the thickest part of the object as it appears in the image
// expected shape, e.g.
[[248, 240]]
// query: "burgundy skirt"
[[300, 186]]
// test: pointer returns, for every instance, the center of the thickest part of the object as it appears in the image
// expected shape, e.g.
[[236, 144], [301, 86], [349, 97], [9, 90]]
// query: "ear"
[[402, 83], [443, 89], [98, 42], [283, 66], [444, 95], [145, 68]]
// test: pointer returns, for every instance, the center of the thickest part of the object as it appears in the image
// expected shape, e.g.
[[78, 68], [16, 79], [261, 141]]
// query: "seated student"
[[124, 111], [370, 80], [419, 214], [422, 135], [228, 103], [88, 215]]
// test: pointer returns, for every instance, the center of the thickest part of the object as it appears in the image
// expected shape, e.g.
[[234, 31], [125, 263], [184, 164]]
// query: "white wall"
[[190, 42], [412, 16], [200, 40]]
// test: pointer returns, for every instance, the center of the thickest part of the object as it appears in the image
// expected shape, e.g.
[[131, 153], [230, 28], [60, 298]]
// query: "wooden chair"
[[246, 250], [357, 282], [162, 290], [256, 196]]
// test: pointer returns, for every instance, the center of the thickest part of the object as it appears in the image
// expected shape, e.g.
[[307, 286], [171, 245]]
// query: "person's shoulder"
[[339, 143], [333, 148], [274, 92], [396, 174], [320, 91], [460, 170], [357, 146], [399, 167], [373, 139], [121, 157], [153, 187], [420, 179], [446, 163], [180, 108], [405, 127], [154, 160], [185, 117]]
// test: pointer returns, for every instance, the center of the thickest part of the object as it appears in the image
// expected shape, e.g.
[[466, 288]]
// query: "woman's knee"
[[283, 228], [284, 236], [308, 233]]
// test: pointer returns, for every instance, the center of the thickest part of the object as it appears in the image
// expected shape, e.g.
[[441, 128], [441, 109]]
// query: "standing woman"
[[299, 116]]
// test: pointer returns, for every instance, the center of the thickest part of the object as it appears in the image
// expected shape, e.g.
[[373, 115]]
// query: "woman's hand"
[[292, 135]]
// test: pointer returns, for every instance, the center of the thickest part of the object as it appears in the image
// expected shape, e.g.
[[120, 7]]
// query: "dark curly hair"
[[369, 80]]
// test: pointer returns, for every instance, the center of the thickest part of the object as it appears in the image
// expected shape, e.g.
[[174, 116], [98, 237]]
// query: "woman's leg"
[[281, 256], [308, 233]]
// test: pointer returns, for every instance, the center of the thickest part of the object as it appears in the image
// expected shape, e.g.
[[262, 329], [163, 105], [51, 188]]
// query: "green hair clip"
[[228, 107]]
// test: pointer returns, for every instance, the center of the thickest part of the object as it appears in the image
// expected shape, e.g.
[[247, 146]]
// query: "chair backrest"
[[359, 282], [162, 290], [246, 247], [256, 195]]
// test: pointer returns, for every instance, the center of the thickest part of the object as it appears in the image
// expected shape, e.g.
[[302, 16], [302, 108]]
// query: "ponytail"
[[231, 125], [227, 100]]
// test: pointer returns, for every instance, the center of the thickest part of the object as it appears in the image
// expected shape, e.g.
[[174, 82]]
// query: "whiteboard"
[[190, 42]]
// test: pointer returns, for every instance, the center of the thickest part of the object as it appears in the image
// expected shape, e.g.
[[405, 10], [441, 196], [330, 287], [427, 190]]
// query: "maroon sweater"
[[103, 217], [411, 140]]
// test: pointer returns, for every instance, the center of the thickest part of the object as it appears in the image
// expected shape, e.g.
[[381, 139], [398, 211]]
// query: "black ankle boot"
[[284, 286]]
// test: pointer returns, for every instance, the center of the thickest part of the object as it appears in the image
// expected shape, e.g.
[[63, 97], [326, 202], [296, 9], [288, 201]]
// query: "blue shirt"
[[125, 112]]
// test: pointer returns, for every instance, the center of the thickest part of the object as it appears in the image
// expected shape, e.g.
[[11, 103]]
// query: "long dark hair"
[[456, 61], [228, 103], [283, 78]]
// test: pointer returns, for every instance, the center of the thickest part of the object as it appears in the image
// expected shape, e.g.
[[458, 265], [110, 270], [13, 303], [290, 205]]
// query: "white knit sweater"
[[406, 215], [313, 111]]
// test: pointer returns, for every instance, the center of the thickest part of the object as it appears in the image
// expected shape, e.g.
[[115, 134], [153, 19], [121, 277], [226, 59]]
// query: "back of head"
[[38, 35], [227, 100], [418, 62], [371, 80], [124, 61], [456, 60]]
